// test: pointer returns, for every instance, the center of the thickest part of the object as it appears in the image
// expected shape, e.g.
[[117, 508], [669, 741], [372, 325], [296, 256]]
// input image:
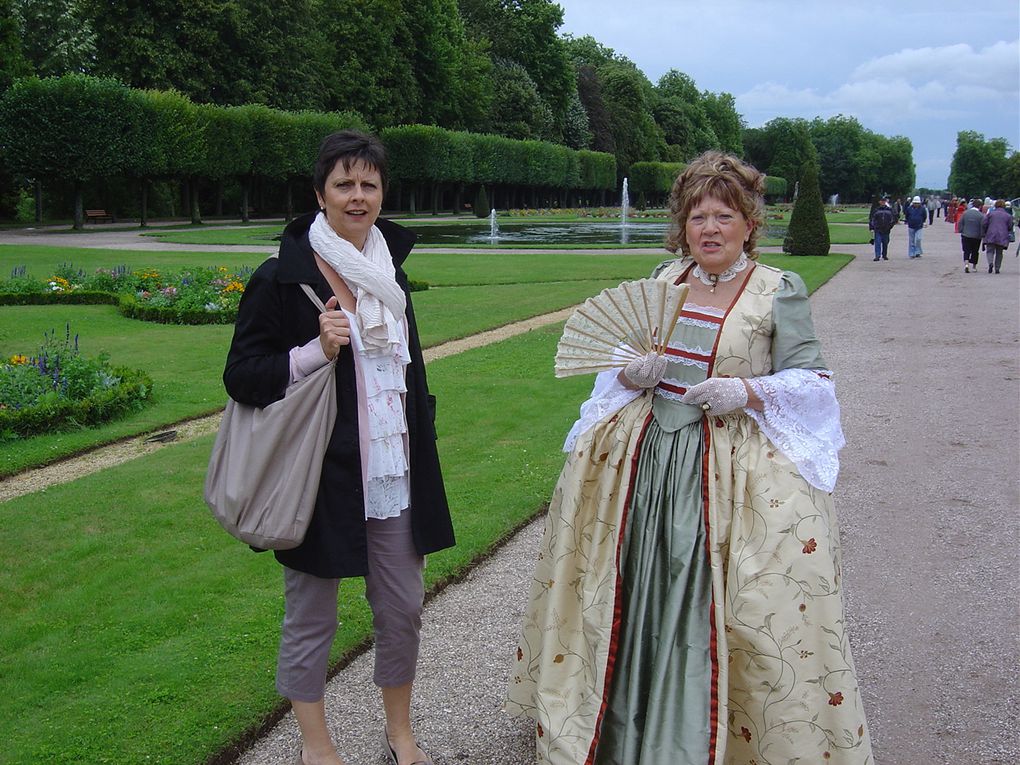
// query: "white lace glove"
[[718, 395], [647, 371]]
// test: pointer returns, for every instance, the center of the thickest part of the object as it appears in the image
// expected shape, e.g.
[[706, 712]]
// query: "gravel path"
[[926, 360]]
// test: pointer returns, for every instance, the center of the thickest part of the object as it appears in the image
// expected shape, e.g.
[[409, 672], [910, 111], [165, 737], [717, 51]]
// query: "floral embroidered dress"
[[686, 606]]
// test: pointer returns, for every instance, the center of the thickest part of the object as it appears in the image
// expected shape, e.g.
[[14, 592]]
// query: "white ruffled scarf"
[[370, 273]]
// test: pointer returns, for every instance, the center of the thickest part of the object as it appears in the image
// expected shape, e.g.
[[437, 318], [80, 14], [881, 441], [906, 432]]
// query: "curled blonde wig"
[[726, 178]]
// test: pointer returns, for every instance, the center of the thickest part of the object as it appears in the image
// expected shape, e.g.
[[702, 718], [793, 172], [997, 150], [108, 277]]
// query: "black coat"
[[275, 315]]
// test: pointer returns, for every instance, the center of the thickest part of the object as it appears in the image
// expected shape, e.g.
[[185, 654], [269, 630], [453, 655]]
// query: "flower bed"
[[61, 388], [203, 295]]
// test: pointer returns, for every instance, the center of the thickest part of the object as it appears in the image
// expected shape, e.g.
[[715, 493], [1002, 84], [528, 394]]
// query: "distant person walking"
[[915, 216], [932, 204], [953, 209], [995, 230], [881, 223], [970, 226]]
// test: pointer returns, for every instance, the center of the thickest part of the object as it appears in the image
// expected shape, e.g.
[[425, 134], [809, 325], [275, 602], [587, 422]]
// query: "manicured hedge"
[[86, 129], [80, 297], [131, 307], [428, 154], [654, 180]]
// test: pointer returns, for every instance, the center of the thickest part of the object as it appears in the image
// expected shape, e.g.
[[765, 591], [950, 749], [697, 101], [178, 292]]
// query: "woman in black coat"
[[381, 506]]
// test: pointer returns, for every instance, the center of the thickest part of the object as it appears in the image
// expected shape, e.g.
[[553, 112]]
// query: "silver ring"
[[706, 406]]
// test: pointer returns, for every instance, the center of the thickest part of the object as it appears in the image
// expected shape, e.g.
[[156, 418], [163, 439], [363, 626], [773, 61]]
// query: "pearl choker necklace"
[[730, 273]]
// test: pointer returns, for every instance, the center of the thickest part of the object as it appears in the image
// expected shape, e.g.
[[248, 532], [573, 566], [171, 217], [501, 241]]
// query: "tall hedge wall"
[[654, 180], [88, 129], [428, 154]]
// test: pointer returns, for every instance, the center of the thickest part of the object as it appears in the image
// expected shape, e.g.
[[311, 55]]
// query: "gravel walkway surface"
[[926, 362]]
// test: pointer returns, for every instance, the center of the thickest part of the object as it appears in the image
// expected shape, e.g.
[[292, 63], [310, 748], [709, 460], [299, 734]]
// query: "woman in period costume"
[[687, 607], [381, 506]]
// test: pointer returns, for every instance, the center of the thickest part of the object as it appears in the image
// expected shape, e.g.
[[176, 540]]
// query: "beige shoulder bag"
[[266, 463]]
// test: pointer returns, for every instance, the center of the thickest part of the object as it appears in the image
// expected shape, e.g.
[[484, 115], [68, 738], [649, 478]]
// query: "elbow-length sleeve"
[[258, 362], [800, 413]]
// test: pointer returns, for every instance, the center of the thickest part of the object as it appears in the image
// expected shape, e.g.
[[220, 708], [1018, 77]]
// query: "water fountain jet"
[[493, 226], [624, 205]]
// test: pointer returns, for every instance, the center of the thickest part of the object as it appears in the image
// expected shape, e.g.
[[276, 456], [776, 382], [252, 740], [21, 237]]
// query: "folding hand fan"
[[618, 325]]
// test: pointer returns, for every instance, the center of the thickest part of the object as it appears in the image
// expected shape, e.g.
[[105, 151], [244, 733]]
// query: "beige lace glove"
[[718, 395], [647, 371]]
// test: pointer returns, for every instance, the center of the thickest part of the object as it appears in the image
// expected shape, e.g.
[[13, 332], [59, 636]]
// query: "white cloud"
[[955, 65], [947, 83]]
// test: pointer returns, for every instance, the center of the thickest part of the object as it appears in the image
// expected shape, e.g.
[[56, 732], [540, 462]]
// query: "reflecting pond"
[[538, 232]]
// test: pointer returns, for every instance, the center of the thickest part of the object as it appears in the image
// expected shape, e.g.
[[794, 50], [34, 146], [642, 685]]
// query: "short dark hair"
[[348, 147]]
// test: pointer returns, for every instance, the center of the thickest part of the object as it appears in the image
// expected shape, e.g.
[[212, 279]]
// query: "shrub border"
[[132, 308], [101, 407]]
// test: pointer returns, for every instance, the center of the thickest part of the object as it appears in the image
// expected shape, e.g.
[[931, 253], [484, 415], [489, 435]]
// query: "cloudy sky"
[[925, 69]]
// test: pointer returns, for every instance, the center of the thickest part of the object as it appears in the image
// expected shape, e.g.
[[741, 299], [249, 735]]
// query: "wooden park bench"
[[98, 216]]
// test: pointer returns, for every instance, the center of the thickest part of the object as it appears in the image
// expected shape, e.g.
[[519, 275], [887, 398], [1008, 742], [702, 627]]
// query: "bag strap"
[[313, 297]]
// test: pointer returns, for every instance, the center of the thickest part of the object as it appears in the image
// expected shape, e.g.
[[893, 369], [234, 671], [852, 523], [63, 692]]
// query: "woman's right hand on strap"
[[334, 329]]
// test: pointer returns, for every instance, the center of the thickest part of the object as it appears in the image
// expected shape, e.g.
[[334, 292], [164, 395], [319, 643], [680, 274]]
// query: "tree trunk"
[[219, 198], [435, 198], [37, 187], [458, 199], [79, 215], [145, 204], [414, 198], [244, 200], [290, 202], [196, 216]]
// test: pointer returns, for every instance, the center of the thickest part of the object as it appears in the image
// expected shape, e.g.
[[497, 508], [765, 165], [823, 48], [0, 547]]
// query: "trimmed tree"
[[481, 205], [808, 233]]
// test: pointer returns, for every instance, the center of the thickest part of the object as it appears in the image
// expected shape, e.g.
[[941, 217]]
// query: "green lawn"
[[843, 233], [133, 629], [186, 362], [40, 260], [141, 632]]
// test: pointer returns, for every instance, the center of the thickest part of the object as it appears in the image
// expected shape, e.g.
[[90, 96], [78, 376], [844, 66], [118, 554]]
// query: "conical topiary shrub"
[[808, 233], [481, 205]]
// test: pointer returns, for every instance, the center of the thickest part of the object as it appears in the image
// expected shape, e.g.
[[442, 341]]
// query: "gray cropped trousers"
[[395, 591]]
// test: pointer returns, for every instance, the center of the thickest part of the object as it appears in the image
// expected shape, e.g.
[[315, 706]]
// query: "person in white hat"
[[915, 216]]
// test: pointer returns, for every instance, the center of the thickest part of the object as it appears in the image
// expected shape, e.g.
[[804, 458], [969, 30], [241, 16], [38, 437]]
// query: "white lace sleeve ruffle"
[[801, 418], [608, 395]]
